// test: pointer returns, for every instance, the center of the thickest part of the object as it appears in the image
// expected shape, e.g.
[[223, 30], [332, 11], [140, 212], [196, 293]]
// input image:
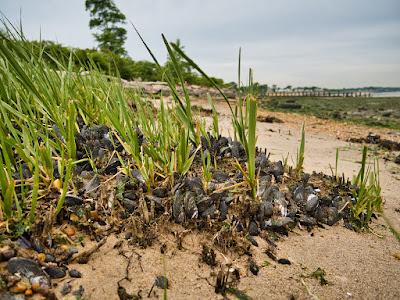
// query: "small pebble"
[[252, 240], [57, 184], [69, 230], [55, 272], [64, 247], [160, 192], [254, 268], [50, 258], [74, 218], [161, 282], [66, 289], [94, 214], [128, 235], [41, 257], [284, 261], [79, 292], [253, 229], [6, 253], [75, 273], [72, 250], [72, 200]]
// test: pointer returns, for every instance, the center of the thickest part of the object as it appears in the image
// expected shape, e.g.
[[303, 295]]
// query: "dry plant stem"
[[108, 180], [308, 290], [344, 206], [230, 187], [84, 256], [392, 228]]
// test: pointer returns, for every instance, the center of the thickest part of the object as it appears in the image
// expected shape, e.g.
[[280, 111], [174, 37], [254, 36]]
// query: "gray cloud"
[[333, 43]]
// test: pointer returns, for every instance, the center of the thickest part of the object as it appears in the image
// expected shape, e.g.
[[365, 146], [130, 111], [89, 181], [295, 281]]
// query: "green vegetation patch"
[[377, 112]]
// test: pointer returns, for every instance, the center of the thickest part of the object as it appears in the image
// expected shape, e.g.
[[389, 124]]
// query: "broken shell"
[[312, 202], [253, 229], [161, 282]]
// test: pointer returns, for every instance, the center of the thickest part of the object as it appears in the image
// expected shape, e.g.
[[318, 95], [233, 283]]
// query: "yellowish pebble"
[[69, 230], [41, 257], [74, 218], [20, 287], [57, 184], [64, 247], [35, 285], [94, 215]]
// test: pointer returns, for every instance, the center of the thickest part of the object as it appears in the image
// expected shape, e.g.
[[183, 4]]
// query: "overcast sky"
[[327, 43]]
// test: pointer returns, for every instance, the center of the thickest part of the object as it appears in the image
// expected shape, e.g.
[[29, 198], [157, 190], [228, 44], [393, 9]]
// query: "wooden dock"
[[318, 94]]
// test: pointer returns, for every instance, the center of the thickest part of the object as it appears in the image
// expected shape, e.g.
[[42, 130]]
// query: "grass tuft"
[[300, 151], [367, 195]]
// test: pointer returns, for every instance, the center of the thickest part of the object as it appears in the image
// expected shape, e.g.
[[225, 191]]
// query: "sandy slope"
[[358, 266]]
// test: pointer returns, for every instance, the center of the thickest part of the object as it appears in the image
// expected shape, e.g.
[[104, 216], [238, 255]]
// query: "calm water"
[[386, 94]]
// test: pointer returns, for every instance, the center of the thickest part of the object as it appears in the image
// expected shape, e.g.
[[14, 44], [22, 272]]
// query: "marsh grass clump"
[[56, 124], [37, 132], [244, 119], [43, 110], [367, 195]]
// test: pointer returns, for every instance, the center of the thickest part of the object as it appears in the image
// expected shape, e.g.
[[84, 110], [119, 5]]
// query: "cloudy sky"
[[328, 43]]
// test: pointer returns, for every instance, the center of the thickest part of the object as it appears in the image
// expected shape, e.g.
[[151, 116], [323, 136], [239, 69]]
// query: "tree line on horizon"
[[111, 56]]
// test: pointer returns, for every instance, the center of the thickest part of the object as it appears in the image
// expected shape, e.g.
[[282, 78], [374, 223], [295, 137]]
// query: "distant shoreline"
[[386, 94]]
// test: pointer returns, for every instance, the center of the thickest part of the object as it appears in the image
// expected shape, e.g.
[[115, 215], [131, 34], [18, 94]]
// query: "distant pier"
[[317, 94]]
